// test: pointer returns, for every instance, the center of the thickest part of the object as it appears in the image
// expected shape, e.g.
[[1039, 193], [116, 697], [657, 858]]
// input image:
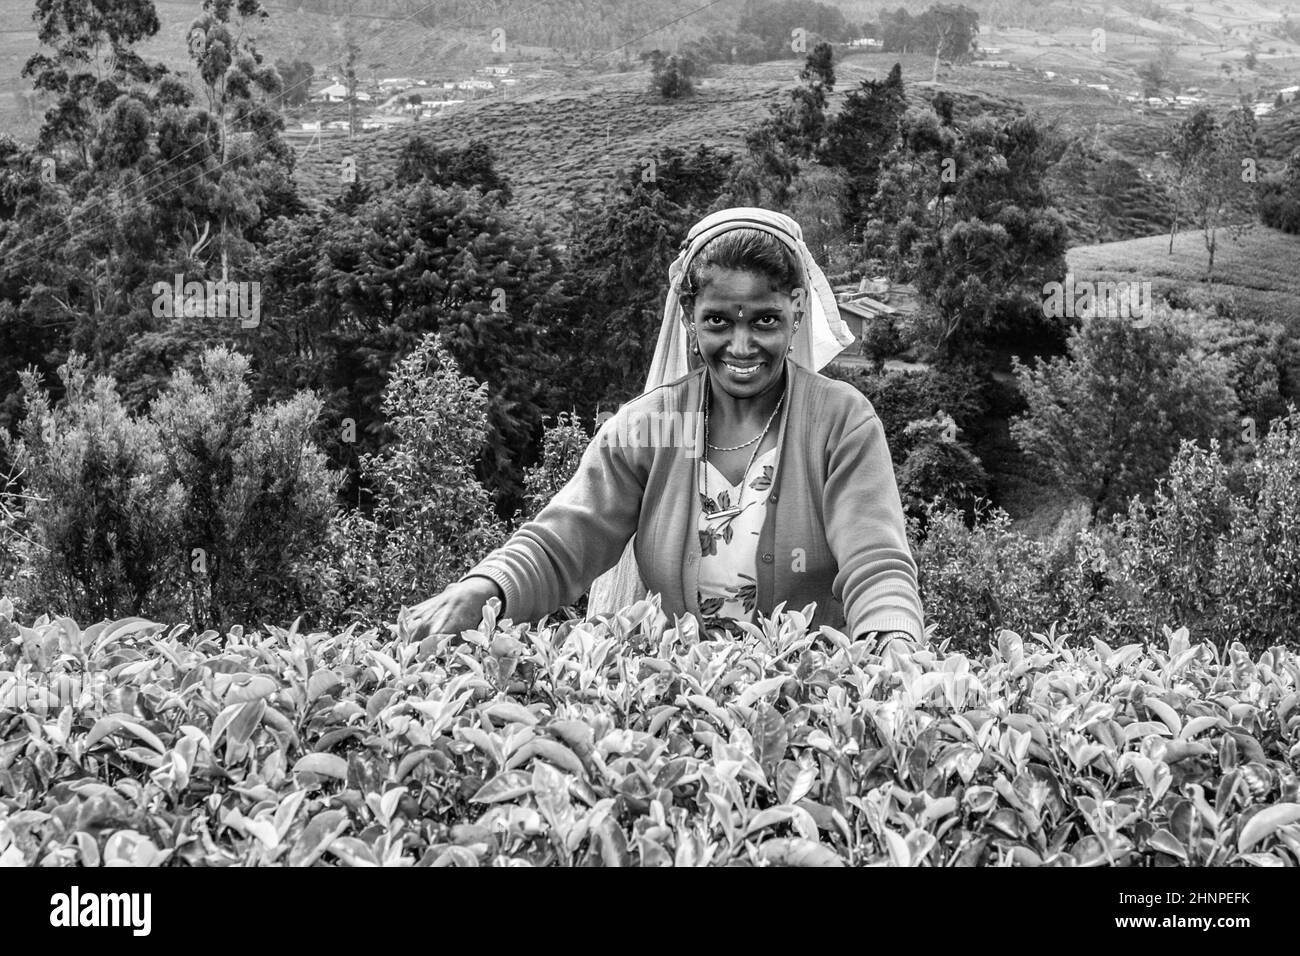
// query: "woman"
[[784, 492]]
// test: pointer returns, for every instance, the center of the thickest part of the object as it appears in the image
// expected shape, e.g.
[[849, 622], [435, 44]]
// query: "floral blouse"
[[729, 544]]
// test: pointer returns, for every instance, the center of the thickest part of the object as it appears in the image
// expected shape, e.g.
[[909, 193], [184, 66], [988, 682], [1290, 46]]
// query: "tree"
[[952, 30], [240, 90], [964, 214], [860, 135], [1220, 188], [1106, 420], [354, 292], [432, 520], [562, 449], [296, 76], [1190, 140], [815, 205], [671, 76], [100, 514], [939, 467], [1154, 76], [445, 166], [792, 132], [800, 124], [256, 493], [139, 192], [775, 20], [204, 505], [92, 65], [1218, 548], [1279, 202], [948, 31]]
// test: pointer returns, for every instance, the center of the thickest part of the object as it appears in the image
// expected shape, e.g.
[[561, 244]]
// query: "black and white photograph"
[[651, 433]]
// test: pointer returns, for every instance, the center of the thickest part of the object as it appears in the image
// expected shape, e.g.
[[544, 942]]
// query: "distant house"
[[1262, 109], [869, 42], [1099, 86], [496, 70], [991, 50], [1289, 94], [992, 64], [870, 304], [396, 82], [337, 93], [862, 313]]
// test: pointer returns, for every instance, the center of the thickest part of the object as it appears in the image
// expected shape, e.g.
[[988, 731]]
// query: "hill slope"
[[1259, 270]]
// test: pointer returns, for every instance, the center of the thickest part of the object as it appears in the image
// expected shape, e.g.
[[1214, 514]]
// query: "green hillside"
[[1259, 270]]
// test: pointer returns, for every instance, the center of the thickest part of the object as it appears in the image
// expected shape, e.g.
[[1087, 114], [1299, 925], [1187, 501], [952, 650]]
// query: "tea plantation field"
[[628, 741]]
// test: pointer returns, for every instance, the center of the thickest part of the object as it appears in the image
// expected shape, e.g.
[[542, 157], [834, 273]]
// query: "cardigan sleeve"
[[877, 577], [550, 560]]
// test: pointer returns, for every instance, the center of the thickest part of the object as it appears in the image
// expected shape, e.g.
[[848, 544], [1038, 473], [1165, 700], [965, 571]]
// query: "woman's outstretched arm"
[[580, 533], [867, 533]]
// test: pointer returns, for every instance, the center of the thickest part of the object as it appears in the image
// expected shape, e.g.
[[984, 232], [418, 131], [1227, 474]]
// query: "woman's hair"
[[745, 250]]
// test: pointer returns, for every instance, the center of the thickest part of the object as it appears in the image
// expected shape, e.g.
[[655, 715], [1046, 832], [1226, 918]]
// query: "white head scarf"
[[821, 336]]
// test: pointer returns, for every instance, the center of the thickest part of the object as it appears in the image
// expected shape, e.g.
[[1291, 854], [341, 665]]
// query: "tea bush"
[[627, 740]]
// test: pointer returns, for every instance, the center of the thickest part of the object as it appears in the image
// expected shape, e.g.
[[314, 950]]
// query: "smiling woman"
[[786, 495]]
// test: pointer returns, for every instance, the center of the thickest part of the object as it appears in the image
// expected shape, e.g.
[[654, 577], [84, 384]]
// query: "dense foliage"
[[432, 520], [1216, 549], [1107, 419], [199, 509], [1279, 200], [630, 741]]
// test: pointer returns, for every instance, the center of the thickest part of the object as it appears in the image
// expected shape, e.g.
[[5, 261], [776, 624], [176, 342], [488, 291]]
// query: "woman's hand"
[[458, 607]]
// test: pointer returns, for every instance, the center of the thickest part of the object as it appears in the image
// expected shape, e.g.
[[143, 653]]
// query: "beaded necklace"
[[731, 512]]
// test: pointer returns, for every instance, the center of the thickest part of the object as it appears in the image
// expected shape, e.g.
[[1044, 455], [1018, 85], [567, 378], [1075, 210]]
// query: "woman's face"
[[743, 329]]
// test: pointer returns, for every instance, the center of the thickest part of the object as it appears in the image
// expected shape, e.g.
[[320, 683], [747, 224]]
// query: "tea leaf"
[[793, 851], [761, 689], [1166, 842], [1267, 822], [770, 737], [505, 786], [326, 765], [317, 836]]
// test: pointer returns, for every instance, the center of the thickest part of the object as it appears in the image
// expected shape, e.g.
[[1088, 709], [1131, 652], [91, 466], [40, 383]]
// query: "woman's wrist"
[[487, 585], [883, 639]]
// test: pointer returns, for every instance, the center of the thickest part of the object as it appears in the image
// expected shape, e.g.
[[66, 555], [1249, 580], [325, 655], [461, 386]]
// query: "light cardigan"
[[837, 536]]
